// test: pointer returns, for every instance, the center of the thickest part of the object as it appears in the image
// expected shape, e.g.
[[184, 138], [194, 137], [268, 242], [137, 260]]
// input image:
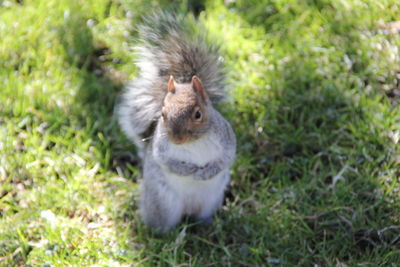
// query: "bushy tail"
[[169, 45]]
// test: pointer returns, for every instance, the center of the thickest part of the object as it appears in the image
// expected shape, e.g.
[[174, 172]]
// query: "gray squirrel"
[[186, 146]]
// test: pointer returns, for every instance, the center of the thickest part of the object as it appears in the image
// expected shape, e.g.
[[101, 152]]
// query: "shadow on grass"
[[330, 162], [315, 167], [97, 95]]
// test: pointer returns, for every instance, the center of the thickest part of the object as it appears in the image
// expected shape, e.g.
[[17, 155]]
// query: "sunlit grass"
[[314, 102]]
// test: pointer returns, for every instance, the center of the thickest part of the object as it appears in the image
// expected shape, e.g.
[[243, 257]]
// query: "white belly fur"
[[199, 197]]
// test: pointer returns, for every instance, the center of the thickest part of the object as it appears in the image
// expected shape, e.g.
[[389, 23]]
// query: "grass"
[[314, 102]]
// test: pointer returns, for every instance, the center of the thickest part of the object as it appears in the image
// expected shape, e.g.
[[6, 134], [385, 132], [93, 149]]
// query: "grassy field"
[[314, 104]]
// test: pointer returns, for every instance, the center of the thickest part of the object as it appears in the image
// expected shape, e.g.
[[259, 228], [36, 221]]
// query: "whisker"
[[152, 136], [147, 138]]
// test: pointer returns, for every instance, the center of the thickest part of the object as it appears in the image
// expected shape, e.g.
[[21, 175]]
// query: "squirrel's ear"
[[198, 87], [171, 84]]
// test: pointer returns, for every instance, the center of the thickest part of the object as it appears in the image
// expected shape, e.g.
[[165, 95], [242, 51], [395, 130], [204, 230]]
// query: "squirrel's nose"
[[178, 138]]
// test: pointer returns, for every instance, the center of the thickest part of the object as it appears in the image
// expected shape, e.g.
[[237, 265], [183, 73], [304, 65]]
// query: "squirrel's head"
[[185, 111]]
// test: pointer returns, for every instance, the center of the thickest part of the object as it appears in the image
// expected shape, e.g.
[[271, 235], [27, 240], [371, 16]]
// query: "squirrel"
[[186, 146]]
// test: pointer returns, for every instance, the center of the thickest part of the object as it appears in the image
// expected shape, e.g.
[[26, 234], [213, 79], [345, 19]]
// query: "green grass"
[[314, 102]]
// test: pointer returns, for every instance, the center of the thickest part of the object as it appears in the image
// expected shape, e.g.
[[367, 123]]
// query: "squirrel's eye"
[[197, 115]]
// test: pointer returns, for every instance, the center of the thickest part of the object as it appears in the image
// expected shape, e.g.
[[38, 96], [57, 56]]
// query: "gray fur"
[[187, 179]]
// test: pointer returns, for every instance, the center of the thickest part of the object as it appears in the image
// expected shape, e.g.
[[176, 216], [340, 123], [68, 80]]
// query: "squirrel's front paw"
[[182, 167], [209, 170]]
